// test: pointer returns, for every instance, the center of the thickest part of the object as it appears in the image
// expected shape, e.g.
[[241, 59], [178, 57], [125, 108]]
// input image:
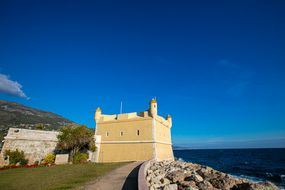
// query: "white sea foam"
[[256, 179], [250, 178], [180, 159], [282, 177]]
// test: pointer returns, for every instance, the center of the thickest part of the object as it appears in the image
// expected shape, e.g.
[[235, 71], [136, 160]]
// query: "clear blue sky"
[[218, 67]]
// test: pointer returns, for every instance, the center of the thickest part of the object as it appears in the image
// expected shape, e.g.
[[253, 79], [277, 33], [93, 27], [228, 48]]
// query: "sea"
[[253, 164]]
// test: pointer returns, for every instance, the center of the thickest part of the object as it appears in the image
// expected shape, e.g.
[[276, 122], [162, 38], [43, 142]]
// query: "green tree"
[[40, 126], [75, 138]]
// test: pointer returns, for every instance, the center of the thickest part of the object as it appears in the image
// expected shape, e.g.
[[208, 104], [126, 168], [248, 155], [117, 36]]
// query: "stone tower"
[[153, 108], [135, 136]]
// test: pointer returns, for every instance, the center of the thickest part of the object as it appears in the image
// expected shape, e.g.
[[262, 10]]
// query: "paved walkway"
[[123, 178]]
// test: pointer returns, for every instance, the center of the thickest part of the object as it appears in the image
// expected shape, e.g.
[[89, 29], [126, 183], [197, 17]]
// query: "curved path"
[[123, 178]]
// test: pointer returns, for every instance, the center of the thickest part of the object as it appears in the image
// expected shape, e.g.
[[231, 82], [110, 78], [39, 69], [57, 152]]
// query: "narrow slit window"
[[138, 132], [121, 134], [107, 134]]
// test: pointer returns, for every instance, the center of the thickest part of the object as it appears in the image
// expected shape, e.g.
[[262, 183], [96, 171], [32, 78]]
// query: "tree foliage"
[[75, 138], [16, 157]]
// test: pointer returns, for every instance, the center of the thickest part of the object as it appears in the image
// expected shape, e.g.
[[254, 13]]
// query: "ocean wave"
[[282, 178], [275, 177], [249, 178], [257, 180], [180, 159]]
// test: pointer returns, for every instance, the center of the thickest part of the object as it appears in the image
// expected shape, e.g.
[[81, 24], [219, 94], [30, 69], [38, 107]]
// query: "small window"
[[121, 134], [138, 132], [107, 134]]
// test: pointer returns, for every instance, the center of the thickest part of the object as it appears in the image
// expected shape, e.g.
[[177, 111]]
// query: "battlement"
[[123, 116], [132, 116], [151, 113]]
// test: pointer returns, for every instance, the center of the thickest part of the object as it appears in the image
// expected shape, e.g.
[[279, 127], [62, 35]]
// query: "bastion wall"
[[36, 144]]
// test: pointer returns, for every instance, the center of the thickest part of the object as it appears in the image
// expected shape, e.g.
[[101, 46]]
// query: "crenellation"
[[122, 117], [127, 116], [107, 118]]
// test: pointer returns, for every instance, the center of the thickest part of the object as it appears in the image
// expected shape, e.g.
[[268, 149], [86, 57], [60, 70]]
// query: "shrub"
[[50, 158], [36, 162], [23, 162], [40, 126], [16, 157], [80, 158]]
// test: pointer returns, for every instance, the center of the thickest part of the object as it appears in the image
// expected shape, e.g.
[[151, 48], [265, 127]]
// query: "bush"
[[40, 126], [23, 162], [36, 162], [50, 158], [80, 158], [16, 157]]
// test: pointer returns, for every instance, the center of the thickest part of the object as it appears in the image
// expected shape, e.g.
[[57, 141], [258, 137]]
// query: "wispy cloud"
[[8, 86], [227, 63], [239, 77], [238, 89], [162, 60]]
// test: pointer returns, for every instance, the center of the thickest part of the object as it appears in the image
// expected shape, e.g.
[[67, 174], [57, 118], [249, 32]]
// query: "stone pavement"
[[123, 178]]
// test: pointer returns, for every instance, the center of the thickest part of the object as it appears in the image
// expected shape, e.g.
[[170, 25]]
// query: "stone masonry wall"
[[36, 144]]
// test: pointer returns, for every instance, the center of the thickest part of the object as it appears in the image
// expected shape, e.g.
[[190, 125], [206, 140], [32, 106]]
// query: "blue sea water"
[[253, 164]]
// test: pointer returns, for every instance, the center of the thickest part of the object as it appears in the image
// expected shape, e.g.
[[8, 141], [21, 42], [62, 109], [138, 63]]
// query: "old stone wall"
[[36, 144]]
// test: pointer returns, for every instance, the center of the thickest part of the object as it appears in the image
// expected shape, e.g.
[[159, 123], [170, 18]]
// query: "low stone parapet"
[[142, 183]]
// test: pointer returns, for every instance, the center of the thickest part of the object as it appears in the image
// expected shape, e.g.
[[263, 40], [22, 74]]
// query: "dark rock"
[[194, 177], [176, 176], [205, 185]]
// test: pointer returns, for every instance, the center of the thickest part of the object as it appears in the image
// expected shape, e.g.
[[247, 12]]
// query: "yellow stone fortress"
[[133, 136]]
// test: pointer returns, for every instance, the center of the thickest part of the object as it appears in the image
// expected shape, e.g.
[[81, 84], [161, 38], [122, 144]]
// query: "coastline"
[[253, 164], [180, 175]]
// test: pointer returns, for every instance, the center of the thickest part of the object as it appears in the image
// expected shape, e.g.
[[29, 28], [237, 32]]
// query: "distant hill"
[[17, 115], [181, 148]]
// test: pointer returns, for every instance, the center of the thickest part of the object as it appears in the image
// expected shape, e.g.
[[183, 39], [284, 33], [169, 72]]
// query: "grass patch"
[[55, 177]]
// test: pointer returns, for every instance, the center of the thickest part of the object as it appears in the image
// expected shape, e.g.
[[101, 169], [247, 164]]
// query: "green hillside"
[[17, 115]]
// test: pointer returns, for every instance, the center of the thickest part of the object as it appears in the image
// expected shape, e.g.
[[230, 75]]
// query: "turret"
[[153, 107], [169, 119], [97, 115]]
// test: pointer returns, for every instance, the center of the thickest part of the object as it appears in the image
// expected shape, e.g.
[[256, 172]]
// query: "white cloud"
[[10, 87]]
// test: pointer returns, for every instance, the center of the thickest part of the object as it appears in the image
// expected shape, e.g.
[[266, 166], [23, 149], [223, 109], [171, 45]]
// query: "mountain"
[[17, 115]]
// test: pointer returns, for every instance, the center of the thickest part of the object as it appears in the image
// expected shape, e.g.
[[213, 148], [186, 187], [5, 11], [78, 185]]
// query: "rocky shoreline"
[[178, 175]]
